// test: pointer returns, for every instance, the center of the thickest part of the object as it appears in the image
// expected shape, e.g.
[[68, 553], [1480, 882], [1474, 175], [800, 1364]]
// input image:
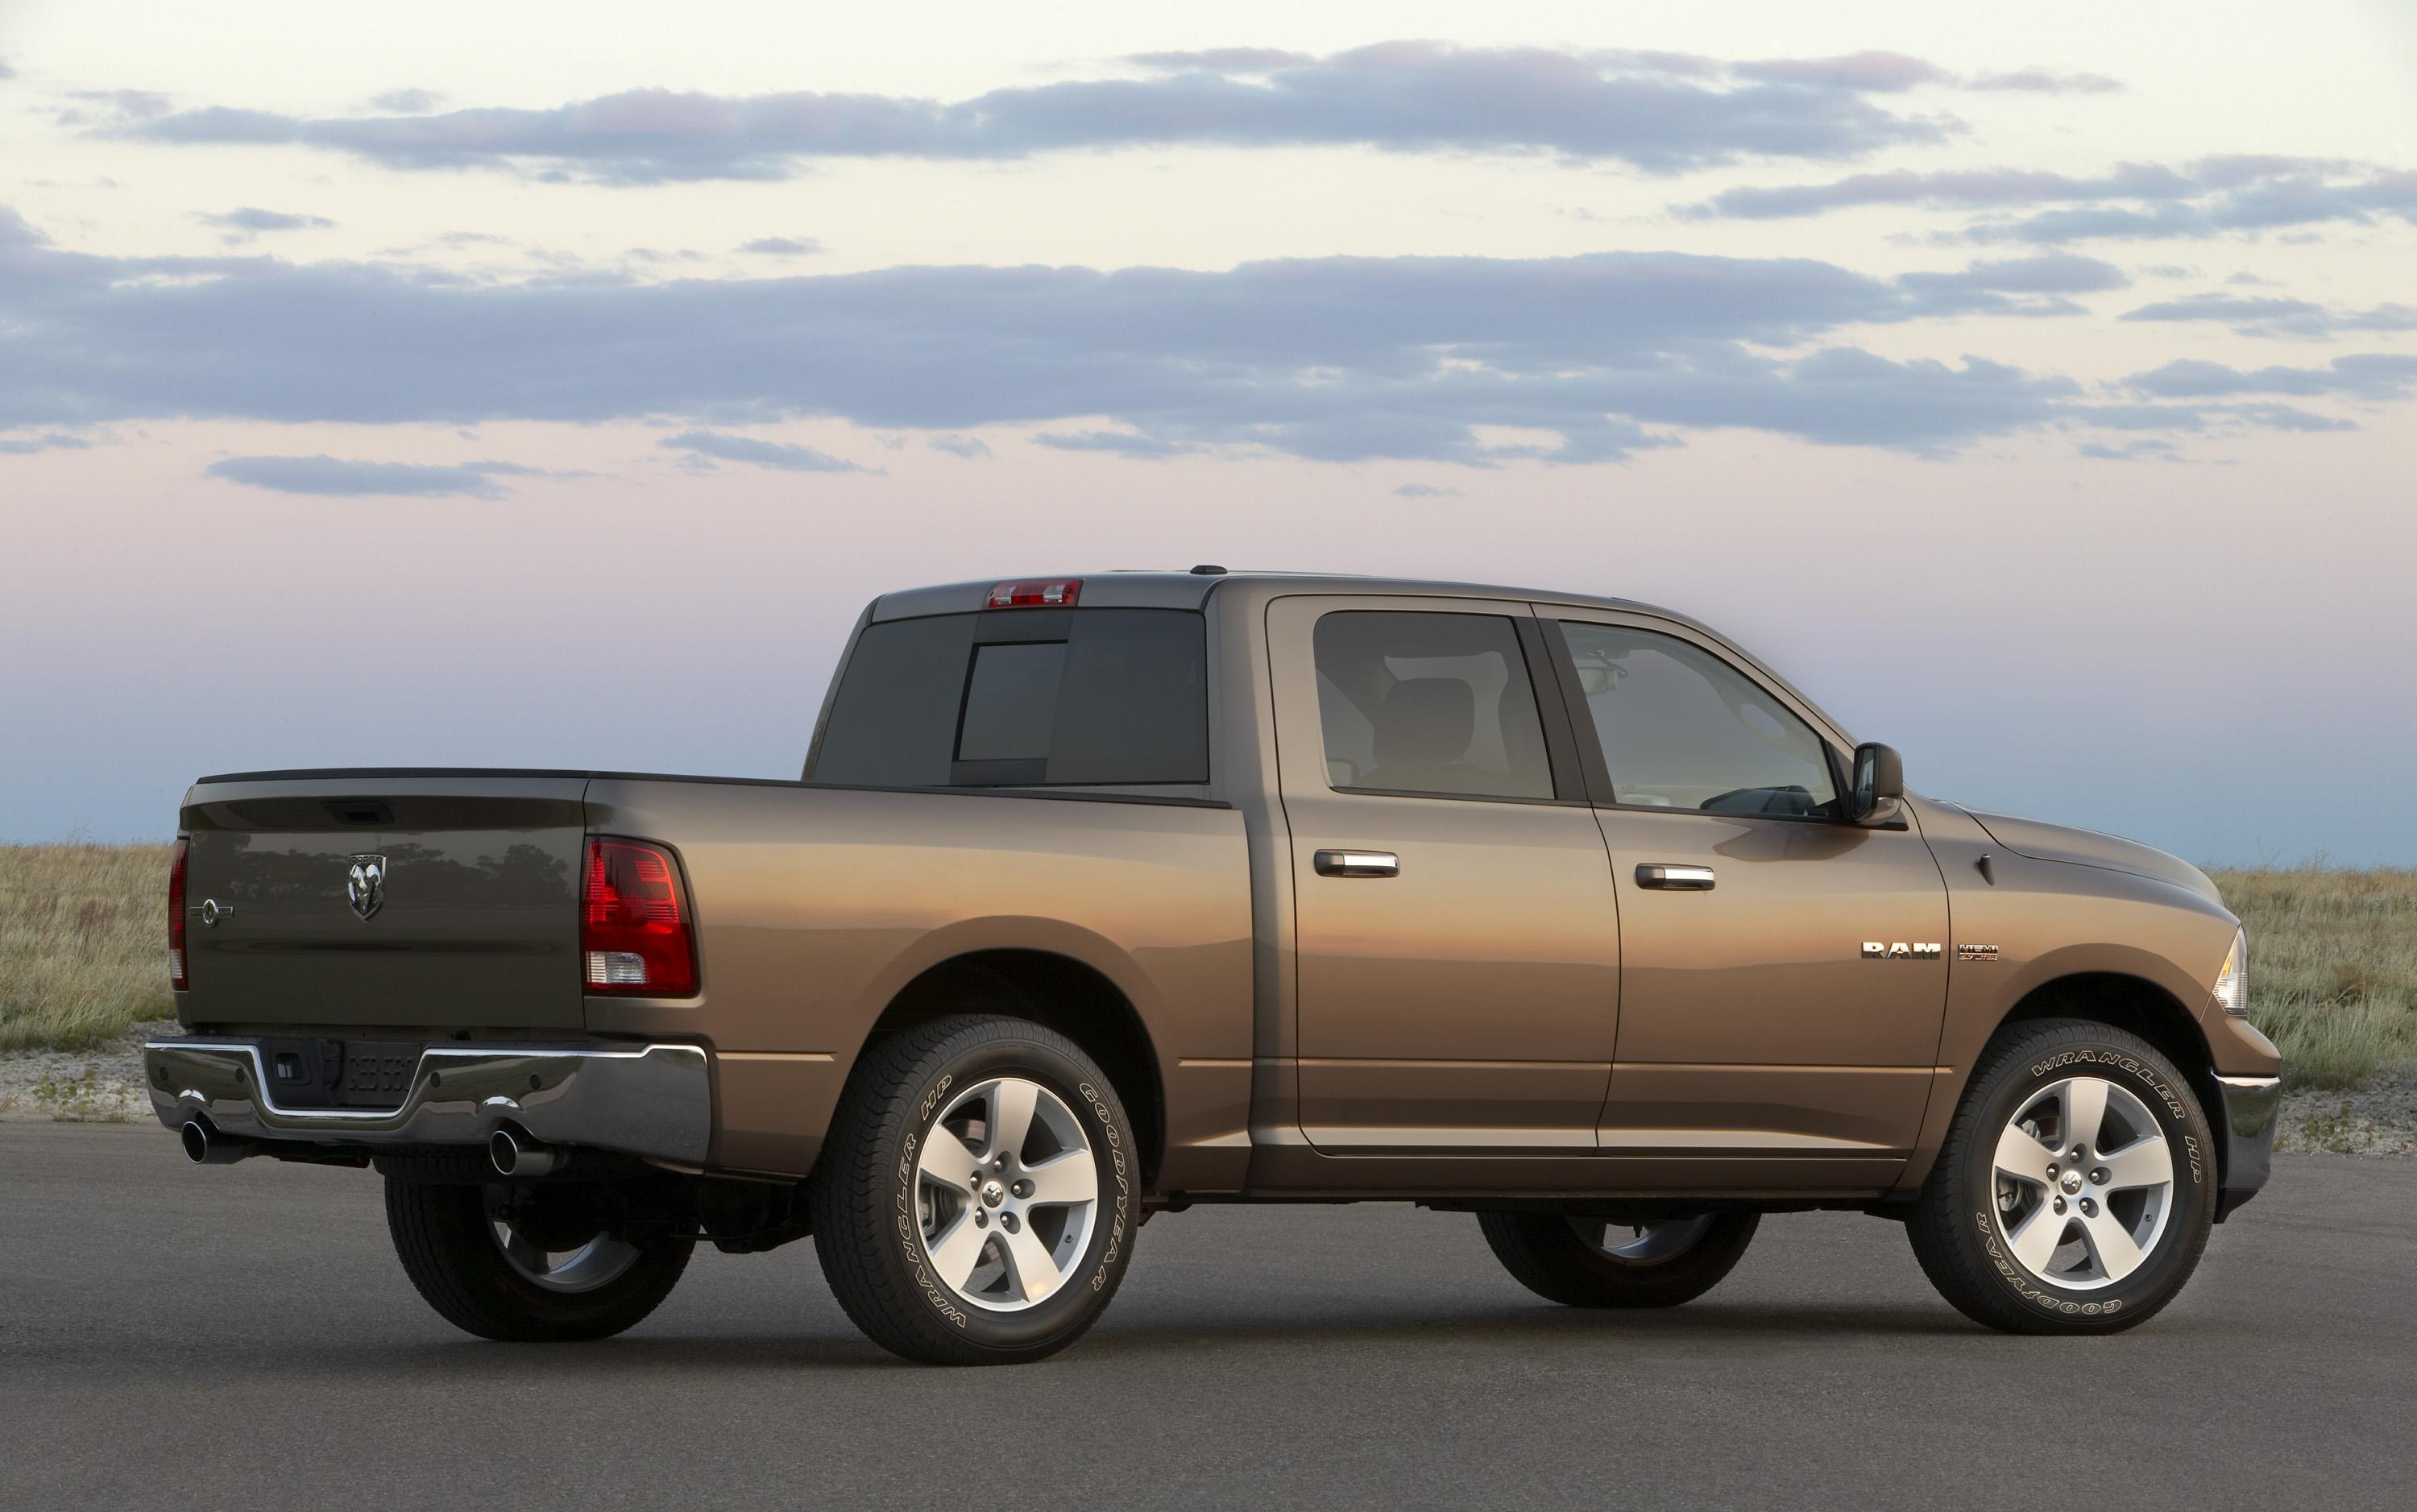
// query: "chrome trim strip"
[[654, 1101], [2250, 1084]]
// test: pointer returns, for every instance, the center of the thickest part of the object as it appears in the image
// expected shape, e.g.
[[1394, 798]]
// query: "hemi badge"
[[1965, 952]]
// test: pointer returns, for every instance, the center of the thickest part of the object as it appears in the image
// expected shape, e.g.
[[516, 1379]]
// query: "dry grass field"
[[84, 943], [2332, 956]]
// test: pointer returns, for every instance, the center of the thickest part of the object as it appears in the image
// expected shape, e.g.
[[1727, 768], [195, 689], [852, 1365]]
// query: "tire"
[[1006, 1262], [2074, 1272], [446, 1236], [1582, 1263]]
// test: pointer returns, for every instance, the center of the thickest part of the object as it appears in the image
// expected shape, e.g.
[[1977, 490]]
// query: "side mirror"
[[1878, 785]]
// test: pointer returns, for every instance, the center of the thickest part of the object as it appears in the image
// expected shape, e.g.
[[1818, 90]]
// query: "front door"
[[1757, 1027], [1458, 945]]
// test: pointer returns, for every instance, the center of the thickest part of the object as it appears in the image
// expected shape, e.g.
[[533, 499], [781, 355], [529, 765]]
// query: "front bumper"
[[653, 1101], [2252, 1107]]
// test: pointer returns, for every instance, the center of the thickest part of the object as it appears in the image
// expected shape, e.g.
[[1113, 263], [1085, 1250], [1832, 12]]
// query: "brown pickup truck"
[[1102, 897]]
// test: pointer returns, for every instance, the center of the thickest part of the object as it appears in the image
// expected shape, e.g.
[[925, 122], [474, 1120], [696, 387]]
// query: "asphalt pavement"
[[241, 1338]]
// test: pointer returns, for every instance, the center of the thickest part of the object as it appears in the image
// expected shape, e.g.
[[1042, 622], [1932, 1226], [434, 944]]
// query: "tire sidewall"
[[2170, 1101], [1093, 1278]]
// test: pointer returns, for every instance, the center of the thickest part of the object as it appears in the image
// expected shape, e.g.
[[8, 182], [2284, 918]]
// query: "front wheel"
[[1593, 1262], [2075, 1191], [976, 1202], [531, 1264]]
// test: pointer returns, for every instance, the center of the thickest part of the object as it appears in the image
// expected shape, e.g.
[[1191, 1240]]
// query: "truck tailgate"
[[385, 899]]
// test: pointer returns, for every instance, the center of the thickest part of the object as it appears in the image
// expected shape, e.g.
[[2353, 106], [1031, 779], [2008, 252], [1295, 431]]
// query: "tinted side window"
[[1682, 729], [1022, 698], [1429, 702]]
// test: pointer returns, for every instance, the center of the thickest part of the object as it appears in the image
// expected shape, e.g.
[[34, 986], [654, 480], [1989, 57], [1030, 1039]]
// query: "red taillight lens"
[[177, 916], [1058, 593], [633, 933]]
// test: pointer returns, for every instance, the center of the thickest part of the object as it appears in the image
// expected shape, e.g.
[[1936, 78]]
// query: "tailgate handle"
[[1359, 863], [1674, 878]]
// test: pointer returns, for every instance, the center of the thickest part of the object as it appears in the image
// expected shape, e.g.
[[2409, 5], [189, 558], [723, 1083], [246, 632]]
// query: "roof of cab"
[[1191, 590]]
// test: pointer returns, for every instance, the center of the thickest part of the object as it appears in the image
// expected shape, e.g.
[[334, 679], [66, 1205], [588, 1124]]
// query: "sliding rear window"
[[1022, 698]]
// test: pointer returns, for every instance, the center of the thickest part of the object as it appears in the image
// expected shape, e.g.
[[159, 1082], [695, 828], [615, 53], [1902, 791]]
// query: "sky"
[[551, 385]]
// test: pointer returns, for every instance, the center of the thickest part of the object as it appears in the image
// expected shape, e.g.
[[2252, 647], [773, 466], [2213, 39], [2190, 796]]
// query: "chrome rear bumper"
[[655, 1101]]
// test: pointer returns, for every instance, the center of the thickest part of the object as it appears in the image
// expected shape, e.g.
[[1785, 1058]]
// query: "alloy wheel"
[[1008, 1193], [2084, 1177]]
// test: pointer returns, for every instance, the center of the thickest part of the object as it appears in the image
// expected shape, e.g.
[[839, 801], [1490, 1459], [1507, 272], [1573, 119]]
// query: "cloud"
[[1328, 358], [1144, 448], [783, 247], [52, 441], [407, 101], [2134, 200], [247, 223], [1661, 112], [6, 72], [2042, 283], [2045, 82], [1424, 490], [2369, 376], [1223, 60], [123, 106], [2275, 316], [336, 478], [16, 231], [2131, 451], [966, 447], [776, 453]]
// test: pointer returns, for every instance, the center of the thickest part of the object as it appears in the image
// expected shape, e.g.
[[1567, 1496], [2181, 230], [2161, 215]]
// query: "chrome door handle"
[[1674, 878], [1359, 863]]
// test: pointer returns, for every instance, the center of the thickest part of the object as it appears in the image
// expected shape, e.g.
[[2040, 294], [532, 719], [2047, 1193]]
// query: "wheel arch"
[[1059, 992]]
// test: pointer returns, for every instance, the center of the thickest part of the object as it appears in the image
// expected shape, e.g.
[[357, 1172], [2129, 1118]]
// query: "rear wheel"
[[2075, 1187], [1595, 1262], [976, 1202], [529, 1264]]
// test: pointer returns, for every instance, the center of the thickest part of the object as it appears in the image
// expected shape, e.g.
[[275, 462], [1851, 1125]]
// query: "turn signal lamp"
[[633, 932], [2233, 983]]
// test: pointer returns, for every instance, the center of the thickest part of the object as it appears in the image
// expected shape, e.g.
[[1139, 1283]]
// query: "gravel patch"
[[2379, 1118], [100, 1086]]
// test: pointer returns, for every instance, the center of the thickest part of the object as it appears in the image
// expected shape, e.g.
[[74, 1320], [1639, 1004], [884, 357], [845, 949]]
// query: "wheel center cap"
[[993, 1194], [2071, 1181]]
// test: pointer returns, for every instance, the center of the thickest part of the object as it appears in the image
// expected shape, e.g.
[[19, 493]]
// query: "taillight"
[[1059, 593], [633, 933], [177, 916]]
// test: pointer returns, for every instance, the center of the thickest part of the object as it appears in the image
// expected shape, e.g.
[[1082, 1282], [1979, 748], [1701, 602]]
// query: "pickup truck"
[[1102, 897]]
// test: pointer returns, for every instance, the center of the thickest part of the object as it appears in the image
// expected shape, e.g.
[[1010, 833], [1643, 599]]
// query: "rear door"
[[1756, 1030], [375, 900], [1457, 947]]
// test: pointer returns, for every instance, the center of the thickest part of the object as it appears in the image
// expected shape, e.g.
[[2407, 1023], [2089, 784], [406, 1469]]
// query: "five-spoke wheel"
[[1008, 1190], [2085, 1183]]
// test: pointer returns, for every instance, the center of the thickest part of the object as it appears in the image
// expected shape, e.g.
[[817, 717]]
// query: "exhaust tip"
[[513, 1153], [205, 1146]]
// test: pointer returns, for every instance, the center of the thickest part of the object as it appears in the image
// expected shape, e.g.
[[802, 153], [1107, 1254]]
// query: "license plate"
[[338, 1073], [377, 1072]]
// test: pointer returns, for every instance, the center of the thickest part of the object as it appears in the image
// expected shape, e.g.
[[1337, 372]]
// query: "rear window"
[[1022, 698]]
